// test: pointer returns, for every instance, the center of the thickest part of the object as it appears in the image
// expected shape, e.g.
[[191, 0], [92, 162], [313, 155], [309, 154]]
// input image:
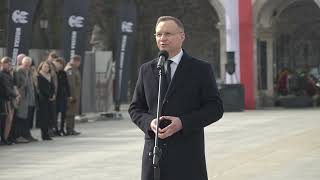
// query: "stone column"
[[265, 96], [223, 50], [220, 10]]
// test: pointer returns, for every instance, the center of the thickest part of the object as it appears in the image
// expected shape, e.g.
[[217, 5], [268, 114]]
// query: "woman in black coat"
[[63, 93], [45, 97]]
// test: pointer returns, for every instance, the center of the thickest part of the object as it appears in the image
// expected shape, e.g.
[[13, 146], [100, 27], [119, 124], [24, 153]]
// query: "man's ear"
[[183, 36]]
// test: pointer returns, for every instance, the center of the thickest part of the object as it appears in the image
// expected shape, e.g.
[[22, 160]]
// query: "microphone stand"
[[157, 152]]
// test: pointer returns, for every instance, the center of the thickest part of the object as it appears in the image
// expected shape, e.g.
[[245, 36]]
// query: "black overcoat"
[[45, 114], [193, 96], [63, 91], [7, 92]]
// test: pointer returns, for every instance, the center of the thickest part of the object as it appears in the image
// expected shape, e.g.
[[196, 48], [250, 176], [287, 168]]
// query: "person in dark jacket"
[[3, 95], [190, 103], [45, 98], [53, 131], [3, 98], [63, 93], [23, 82], [8, 98], [3, 112]]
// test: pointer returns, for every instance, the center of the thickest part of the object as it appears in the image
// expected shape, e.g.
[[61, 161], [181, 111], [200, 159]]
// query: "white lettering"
[[123, 50], [73, 43], [73, 39], [17, 37], [72, 53], [15, 52], [124, 43]]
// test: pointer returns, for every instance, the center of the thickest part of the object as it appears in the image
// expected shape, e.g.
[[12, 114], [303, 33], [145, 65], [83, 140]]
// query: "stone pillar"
[[265, 97], [270, 66], [223, 50], [220, 10], [267, 36]]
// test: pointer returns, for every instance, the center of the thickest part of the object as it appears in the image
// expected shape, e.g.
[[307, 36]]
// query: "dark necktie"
[[168, 72]]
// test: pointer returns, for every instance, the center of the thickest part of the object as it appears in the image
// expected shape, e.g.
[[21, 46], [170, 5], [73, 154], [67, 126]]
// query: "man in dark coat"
[[3, 98], [190, 103], [9, 98]]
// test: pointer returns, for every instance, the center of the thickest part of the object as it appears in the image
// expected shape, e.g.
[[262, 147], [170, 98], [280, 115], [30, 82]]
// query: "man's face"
[[58, 65], [6, 66], [169, 37], [77, 63], [26, 65]]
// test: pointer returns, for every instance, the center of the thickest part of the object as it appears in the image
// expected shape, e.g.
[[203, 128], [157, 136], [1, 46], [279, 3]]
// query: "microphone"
[[163, 56]]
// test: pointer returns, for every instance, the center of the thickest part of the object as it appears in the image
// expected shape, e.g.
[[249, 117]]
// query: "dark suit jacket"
[[192, 96]]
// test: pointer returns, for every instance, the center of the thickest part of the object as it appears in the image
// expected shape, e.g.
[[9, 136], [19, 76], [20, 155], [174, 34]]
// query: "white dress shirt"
[[175, 62]]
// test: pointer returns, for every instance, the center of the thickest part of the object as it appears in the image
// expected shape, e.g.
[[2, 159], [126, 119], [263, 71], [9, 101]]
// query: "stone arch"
[[279, 28], [220, 10], [263, 10]]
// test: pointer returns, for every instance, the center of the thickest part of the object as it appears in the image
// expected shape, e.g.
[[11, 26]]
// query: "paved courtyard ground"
[[275, 144]]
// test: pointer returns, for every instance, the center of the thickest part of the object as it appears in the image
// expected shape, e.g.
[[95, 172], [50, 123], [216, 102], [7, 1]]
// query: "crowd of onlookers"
[[46, 96]]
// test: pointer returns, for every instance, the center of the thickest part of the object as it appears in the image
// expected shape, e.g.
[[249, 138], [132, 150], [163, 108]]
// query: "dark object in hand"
[[164, 123]]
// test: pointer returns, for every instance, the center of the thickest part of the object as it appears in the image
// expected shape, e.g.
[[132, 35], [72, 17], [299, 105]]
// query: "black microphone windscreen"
[[163, 53]]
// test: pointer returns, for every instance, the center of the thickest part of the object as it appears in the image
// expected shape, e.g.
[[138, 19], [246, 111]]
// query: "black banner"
[[125, 36], [75, 20], [20, 16]]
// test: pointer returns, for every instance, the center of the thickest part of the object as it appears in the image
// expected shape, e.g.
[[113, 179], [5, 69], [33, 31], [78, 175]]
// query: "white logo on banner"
[[20, 16], [76, 21], [126, 27], [73, 43]]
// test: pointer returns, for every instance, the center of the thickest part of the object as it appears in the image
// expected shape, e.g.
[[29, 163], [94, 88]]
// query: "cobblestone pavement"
[[277, 144]]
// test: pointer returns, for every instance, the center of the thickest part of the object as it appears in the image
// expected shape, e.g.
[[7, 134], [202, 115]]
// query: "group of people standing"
[[40, 94]]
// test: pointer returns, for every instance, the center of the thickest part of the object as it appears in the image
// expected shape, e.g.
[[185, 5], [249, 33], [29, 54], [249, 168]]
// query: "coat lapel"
[[155, 71], [178, 75]]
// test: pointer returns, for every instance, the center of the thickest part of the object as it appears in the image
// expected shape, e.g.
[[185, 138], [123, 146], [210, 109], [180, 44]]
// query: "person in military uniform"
[[74, 80]]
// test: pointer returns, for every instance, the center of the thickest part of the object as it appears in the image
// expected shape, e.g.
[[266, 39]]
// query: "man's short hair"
[[19, 58], [5, 59], [76, 58], [27, 59], [60, 60], [53, 55], [168, 18]]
